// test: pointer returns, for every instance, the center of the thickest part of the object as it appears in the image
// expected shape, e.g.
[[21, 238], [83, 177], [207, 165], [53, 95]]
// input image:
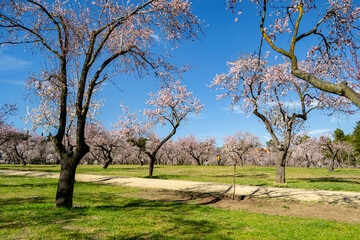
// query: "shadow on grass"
[[251, 175], [31, 185], [19, 201], [329, 179], [165, 177]]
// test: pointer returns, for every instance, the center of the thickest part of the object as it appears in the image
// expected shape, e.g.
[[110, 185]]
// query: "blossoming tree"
[[237, 145], [169, 106], [280, 100], [199, 150], [83, 43], [330, 30]]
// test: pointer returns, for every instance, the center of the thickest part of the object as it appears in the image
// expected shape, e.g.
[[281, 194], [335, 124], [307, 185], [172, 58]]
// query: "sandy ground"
[[330, 205]]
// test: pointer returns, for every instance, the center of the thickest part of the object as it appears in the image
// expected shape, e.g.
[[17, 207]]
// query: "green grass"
[[27, 212], [345, 179]]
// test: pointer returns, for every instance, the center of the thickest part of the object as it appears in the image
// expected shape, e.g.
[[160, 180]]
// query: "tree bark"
[[151, 166], [65, 188], [332, 165], [280, 167], [107, 162], [109, 159], [308, 163]]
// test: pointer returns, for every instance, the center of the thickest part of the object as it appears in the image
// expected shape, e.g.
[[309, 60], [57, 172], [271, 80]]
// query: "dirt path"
[[328, 205], [241, 191]]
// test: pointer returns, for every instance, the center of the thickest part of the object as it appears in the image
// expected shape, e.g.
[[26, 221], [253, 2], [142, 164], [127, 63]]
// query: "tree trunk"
[[65, 188], [332, 165], [241, 161], [108, 161], [151, 166], [307, 161], [280, 167]]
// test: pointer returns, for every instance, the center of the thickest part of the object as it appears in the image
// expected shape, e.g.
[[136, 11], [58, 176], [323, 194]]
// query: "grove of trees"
[[83, 44]]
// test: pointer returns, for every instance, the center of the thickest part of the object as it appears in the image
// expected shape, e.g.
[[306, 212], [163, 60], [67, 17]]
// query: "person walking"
[[218, 160]]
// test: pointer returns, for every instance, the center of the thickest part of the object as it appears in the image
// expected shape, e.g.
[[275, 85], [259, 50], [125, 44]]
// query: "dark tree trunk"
[[308, 163], [241, 161], [332, 165], [280, 167], [65, 189], [108, 158], [108, 161], [151, 166]]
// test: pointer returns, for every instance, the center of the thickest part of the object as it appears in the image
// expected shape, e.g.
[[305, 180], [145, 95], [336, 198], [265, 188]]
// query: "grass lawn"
[[345, 179], [27, 212]]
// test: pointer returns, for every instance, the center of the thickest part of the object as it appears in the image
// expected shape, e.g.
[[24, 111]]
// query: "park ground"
[[113, 212]]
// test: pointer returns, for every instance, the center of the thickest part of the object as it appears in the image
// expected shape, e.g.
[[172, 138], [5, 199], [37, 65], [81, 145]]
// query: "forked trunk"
[[65, 189], [280, 167]]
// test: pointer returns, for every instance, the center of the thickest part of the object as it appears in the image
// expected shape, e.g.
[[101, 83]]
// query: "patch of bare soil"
[[340, 213]]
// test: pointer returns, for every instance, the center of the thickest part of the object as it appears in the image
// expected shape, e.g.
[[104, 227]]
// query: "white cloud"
[[14, 82], [11, 63], [286, 104], [319, 131]]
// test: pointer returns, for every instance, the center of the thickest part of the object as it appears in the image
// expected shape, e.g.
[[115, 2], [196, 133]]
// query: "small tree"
[[307, 149], [169, 106], [237, 145], [103, 141], [199, 150]]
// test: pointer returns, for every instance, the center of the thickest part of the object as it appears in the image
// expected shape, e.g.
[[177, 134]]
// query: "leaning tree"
[[329, 29], [81, 44], [280, 100]]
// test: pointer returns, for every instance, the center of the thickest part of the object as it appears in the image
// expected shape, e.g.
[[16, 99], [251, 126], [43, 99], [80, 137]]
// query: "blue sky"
[[224, 40]]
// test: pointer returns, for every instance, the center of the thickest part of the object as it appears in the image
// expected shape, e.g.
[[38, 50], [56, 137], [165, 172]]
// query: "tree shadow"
[[19, 201], [243, 175], [329, 179], [165, 177]]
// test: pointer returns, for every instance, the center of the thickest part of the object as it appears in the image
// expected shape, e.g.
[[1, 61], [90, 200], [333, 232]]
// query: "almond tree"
[[20, 145], [199, 150], [105, 142], [6, 129], [281, 101], [82, 44], [307, 149], [171, 151], [333, 148], [329, 28], [169, 106], [237, 145]]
